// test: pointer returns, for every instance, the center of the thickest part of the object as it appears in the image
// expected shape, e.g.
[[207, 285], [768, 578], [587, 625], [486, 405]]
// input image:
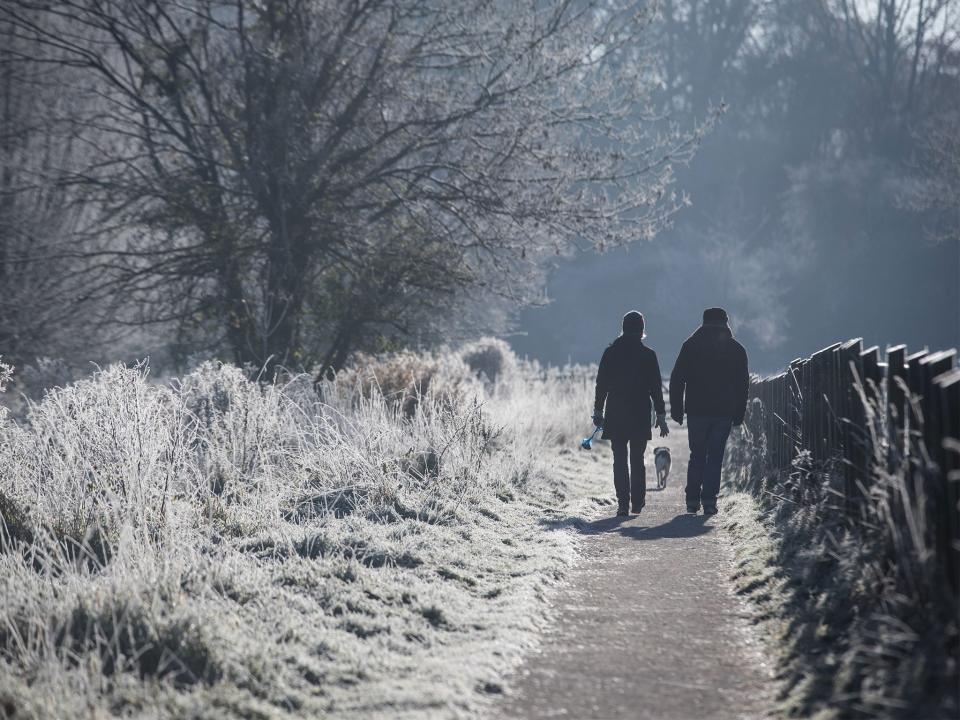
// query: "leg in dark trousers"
[[716, 446], [708, 441], [638, 474], [621, 473], [698, 459]]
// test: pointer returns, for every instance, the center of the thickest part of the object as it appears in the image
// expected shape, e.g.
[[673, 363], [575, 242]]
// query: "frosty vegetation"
[[217, 547], [287, 183], [862, 617]]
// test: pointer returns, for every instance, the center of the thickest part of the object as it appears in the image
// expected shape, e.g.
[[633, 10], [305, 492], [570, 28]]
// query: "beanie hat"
[[715, 316], [633, 323]]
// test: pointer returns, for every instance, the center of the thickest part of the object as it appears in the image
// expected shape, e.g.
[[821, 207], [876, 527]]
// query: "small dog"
[[661, 460]]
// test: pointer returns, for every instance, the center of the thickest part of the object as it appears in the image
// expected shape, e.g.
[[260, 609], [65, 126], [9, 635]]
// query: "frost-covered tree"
[[294, 177]]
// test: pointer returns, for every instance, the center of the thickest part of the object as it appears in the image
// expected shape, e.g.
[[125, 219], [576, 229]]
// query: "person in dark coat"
[[627, 380], [709, 383]]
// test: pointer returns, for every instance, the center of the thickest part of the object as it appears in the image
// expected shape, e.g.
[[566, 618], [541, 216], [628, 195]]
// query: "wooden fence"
[[843, 403]]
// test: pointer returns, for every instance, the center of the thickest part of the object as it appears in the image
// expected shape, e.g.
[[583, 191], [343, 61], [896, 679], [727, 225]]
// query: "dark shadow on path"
[[681, 526]]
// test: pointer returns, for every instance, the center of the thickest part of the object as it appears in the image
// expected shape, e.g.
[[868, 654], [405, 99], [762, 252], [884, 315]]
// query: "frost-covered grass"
[[218, 548], [860, 613]]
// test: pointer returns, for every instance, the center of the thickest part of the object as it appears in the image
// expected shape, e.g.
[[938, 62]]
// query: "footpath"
[[648, 626]]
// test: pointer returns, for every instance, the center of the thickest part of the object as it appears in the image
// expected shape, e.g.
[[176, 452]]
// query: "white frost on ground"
[[216, 549]]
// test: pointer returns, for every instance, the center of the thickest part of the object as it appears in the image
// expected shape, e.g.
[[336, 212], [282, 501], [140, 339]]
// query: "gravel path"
[[648, 626]]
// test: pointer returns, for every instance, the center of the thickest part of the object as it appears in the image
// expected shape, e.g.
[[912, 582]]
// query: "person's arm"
[[656, 394], [742, 385], [656, 388], [603, 388], [678, 383]]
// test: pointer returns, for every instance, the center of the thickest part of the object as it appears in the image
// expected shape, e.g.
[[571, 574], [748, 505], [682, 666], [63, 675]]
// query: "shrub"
[[6, 374], [406, 378], [104, 451], [490, 359], [15, 527], [241, 428]]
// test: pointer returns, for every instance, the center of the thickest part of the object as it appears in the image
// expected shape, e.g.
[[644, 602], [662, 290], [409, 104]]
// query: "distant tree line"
[[284, 182], [831, 184], [289, 181]]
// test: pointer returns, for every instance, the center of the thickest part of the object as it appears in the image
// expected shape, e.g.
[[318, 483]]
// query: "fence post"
[[838, 373], [852, 423], [931, 366], [795, 398], [803, 406], [873, 391], [870, 361], [896, 399], [783, 412], [914, 373], [821, 379], [768, 423], [947, 391]]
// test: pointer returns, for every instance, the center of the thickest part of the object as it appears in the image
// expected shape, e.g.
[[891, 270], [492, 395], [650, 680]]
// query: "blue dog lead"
[[587, 443]]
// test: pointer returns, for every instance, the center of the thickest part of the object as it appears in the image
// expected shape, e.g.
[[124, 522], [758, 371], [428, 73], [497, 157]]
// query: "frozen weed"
[[262, 550], [861, 609]]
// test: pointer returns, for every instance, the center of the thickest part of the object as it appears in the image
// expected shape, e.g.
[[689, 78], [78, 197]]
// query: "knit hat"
[[715, 316], [633, 323]]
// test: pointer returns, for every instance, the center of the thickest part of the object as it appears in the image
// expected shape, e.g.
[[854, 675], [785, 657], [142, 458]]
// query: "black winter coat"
[[710, 376], [627, 380]]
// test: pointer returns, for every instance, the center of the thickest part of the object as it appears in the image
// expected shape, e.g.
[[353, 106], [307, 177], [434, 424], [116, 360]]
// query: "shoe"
[[637, 508], [693, 509], [710, 510], [623, 512]]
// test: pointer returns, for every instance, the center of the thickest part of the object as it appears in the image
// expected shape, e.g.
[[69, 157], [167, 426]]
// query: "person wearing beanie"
[[628, 382], [709, 384]]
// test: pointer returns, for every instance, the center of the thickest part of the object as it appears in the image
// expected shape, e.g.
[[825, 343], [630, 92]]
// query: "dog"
[[661, 460]]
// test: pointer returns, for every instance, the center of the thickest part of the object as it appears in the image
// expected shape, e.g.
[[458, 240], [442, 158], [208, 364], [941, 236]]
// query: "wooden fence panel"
[[931, 366], [783, 389], [914, 374], [870, 362], [796, 408], [852, 424], [804, 402], [896, 398], [816, 405], [834, 421], [820, 384], [948, 400]]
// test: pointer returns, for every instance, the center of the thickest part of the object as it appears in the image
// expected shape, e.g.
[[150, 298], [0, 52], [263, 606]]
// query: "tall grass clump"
[[532, 407], [859, 590], [222, 547], [406, 377], [547, 405]]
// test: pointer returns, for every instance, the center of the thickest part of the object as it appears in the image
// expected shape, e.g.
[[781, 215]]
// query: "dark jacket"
[[628, 378], [710, 376]]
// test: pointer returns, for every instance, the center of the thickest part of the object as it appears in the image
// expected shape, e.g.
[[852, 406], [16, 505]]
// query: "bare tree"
[[936, 192], [259, 160], [701, 42], [899, 49], [42, 312]]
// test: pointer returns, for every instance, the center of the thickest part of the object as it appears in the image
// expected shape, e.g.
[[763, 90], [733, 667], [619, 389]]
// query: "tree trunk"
[[339, 350]]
